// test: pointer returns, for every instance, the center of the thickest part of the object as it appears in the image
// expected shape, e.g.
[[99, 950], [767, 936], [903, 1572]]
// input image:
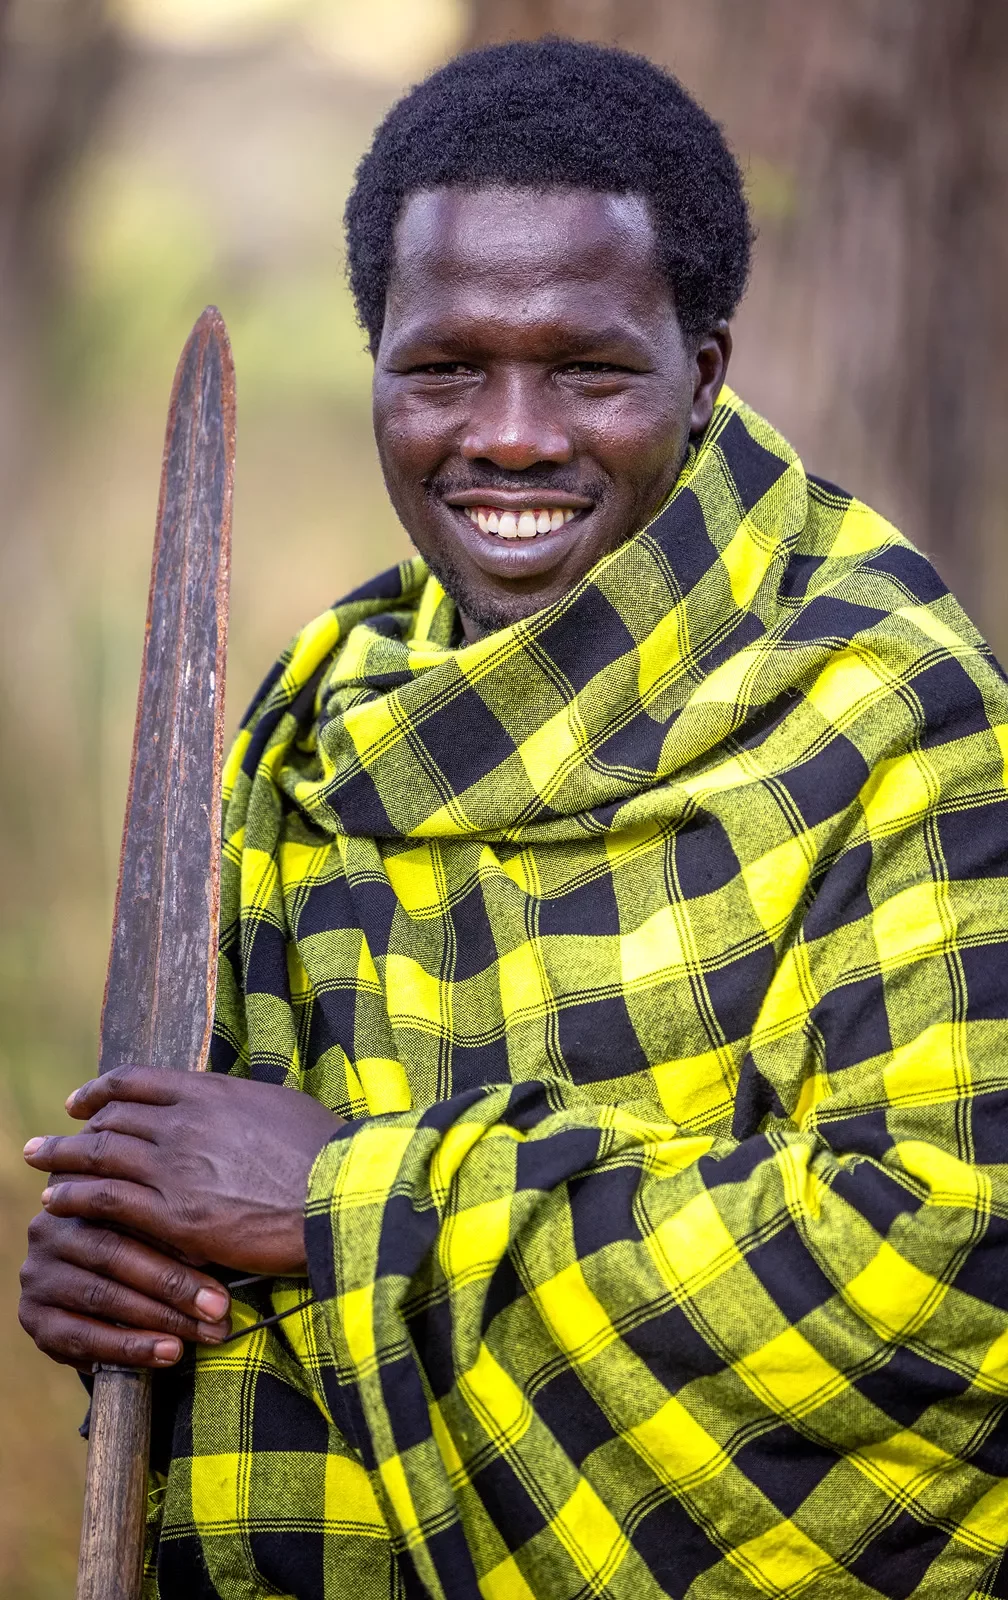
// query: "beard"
[[488, 614]]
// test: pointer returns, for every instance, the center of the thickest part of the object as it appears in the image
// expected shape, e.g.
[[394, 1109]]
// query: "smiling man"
[[535, 392], [623, 884]]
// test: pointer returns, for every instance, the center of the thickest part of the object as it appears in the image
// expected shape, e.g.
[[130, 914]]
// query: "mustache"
[[541, 475]]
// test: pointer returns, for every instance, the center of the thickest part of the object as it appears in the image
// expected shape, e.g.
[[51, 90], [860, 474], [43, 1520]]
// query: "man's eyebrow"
[[566, 343], [582, 340]]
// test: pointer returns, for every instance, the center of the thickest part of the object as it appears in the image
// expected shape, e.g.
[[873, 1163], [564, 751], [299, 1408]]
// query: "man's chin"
[[482, 612]]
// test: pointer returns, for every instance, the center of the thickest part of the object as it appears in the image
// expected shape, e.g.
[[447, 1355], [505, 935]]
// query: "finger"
[[102, 1154], [91, 1295], [140, 1121], [81, 1341], [127, 1205], [148, 1085], [156, 1276]]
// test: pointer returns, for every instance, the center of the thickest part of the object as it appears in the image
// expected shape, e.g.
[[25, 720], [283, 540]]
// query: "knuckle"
[[174, 1283], [100, 1295], [109, 1250], [38, 1229], [76, 1342], [172, 1321], [28, 1315], [105, 1197], [100, 1148]]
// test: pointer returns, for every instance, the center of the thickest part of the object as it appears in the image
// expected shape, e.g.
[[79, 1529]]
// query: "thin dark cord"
[[267, 1322], [253, 1327]]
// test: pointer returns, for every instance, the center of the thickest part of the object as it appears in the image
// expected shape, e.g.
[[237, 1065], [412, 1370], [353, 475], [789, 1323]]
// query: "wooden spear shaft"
[[162, 972]]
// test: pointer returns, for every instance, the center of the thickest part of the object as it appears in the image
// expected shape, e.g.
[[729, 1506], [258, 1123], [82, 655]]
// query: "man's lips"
[[519, 499], [518, 549]]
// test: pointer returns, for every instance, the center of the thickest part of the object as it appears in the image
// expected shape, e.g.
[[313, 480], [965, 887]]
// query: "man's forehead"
[[576, 262], [445, 232]]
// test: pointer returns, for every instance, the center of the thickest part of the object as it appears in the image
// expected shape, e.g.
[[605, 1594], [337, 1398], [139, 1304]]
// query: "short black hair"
[[558, 113]]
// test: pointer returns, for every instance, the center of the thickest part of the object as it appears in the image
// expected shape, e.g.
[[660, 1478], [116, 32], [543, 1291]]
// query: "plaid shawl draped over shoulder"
[[656, 949]]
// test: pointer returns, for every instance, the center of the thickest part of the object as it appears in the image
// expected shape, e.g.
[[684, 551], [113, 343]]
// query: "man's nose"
[[515, 423]]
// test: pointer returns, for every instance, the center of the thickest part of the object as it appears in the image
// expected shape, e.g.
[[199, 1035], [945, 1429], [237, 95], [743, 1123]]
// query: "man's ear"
[[713, 354]]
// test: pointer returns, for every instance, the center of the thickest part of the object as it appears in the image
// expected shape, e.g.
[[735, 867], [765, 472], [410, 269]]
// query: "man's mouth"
[[518, 535], [525, 524]]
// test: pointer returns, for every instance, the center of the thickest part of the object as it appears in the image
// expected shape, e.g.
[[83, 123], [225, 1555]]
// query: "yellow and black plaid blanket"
[[656, 947]]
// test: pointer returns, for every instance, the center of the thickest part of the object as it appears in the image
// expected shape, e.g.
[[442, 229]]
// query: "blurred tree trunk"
[[875, 333], [55, 59]]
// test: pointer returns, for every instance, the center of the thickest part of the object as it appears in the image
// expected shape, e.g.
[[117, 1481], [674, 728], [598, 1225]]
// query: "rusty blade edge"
[[218, 331], [209, 325]]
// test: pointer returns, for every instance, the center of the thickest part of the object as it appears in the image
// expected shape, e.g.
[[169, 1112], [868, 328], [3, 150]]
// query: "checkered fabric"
[[657, 948]]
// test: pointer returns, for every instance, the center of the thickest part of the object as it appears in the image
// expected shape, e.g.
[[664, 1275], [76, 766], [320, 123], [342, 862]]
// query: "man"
[[625, 886]]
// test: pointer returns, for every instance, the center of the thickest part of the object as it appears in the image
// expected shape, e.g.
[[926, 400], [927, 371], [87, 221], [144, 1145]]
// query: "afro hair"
[[560, 114]]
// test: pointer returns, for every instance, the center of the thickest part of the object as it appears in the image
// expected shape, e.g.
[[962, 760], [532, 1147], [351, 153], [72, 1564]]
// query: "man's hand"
[[213, 1168], [80, 1279]]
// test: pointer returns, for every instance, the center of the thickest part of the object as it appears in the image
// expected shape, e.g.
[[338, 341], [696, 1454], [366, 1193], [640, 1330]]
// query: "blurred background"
[[159, 154]]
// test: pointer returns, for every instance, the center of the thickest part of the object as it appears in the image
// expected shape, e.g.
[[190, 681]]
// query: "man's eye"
[[442, 369], [593, 369]]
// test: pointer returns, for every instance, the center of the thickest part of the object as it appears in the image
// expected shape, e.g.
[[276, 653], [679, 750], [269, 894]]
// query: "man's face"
[[533, 393]]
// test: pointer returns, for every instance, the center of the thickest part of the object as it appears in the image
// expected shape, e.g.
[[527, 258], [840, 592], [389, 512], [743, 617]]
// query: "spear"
[[162, 971]]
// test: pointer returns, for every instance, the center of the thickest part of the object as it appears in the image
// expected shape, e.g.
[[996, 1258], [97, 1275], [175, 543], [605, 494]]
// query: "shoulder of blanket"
[[853, 576], [852, 582], [848, 550], [839, 547]]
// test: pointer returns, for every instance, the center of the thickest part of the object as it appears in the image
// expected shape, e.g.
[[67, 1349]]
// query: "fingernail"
[[167, 1351], [212, 1304], [46, 1196], [212, 1332], [68, 1102], [33, 1145]]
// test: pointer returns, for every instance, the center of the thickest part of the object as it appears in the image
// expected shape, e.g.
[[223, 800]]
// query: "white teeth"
[[518, 525]]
